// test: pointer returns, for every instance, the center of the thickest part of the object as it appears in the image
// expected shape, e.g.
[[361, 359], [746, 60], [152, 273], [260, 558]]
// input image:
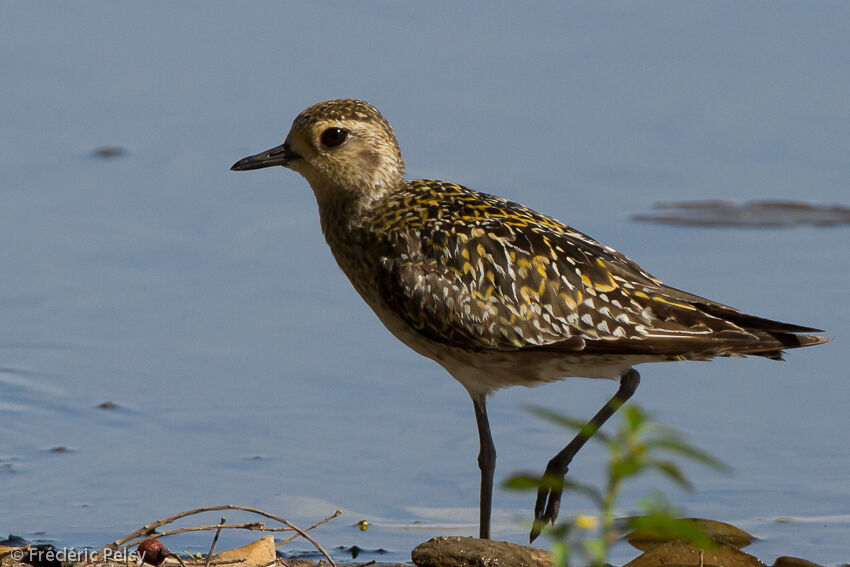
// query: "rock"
[[676, 553], [107, 152], [786, 561], [719, 532], [757, 214], [474, 552]]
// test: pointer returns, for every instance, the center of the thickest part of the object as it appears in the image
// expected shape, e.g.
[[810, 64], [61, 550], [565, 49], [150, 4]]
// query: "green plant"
[[637, 446]]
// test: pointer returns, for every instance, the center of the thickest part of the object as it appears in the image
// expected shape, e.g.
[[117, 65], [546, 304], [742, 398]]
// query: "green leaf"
[[559, 531], [634, 417], [685, 449], [588, 490], [528, 482], [560, 554], [664, 527], [672, 471], [625, 468], [596, 550], [522, 481], [582, 426]]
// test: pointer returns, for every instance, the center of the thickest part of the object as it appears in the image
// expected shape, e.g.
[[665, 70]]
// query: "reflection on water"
[[209, 309], [755, 214]]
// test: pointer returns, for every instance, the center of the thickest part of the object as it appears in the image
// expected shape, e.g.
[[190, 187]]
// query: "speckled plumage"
[[477, 271], [495, 292]]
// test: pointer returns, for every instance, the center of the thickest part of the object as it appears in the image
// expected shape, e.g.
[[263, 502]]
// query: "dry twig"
[[178, 558], [319, 523], [255, 526], [222, 562], [150, 529], [215, 541]]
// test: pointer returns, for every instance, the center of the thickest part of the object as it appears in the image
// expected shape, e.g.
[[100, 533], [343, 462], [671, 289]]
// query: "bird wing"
[[512, 279]]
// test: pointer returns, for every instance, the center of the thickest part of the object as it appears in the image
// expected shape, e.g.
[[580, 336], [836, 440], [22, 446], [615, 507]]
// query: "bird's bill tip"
[[279, 155]]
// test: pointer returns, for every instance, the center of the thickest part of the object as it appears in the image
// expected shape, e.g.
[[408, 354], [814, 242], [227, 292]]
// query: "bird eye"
[[333, 137]]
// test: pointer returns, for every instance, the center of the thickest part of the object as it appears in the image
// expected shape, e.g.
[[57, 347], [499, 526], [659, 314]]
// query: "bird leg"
[[486, 462], [549, 494]]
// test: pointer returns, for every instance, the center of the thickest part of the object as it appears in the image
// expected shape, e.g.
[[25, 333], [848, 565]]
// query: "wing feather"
[[497, 275]]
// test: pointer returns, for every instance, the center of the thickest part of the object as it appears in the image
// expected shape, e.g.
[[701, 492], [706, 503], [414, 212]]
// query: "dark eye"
[[333, 137]]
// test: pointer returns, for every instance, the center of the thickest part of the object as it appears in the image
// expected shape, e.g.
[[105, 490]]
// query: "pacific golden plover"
[[493, 291]]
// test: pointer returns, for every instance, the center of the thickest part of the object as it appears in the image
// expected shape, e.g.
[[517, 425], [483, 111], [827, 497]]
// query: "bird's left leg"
[[486, 462], [548, 497]]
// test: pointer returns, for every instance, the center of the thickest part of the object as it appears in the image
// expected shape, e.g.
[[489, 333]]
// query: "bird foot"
[[548, 502]]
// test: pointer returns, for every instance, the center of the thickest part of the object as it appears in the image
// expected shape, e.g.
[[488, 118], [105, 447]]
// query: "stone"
[[677, 553], [474, 552], [786, 561], [719, 532]]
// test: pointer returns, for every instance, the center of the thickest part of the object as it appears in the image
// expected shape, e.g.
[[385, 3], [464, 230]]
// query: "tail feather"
[[769, 348], [786, 341], [775, 336], [759, 338], [751, 322]]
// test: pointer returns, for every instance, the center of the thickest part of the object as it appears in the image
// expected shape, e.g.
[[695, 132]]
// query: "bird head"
[[341, 147]]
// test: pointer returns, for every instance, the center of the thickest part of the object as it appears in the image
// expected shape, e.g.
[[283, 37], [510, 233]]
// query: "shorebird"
[[496, 293]]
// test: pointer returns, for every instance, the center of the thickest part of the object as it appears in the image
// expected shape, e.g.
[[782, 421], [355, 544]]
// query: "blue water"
[[206, 305]]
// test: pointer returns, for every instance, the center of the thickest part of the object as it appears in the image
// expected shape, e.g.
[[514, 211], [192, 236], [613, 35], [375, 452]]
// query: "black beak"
[[281, 155]]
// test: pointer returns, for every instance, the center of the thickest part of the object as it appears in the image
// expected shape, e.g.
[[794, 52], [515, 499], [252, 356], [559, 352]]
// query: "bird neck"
[[343, 209]]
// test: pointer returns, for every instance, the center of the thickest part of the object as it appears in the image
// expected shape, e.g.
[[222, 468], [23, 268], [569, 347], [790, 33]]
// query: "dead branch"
[[215, 540], [319, 523], [211, 563], [178, 558], [255, 526], [149, 529]]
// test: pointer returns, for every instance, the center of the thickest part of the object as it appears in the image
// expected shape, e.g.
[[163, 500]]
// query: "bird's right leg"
[[548, 496], [486, 462]]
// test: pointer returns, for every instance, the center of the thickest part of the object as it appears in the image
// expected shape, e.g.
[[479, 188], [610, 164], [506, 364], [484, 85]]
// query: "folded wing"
[[541, 285]]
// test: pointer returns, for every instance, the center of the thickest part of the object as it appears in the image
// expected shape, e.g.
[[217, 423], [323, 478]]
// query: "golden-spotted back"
[[469, 269]]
